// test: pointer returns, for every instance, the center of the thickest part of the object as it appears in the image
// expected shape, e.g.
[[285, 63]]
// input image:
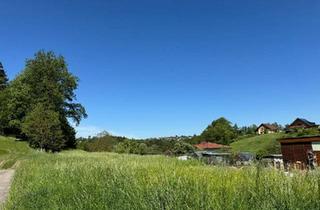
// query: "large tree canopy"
[[45, 82], [51, 83], [219, 131]]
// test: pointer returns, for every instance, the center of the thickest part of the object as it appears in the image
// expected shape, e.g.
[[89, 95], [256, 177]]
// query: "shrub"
[[181, 148], [43, 129], [131, 147]]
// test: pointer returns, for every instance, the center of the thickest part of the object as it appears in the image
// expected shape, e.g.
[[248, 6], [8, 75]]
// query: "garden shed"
[[294, 150]]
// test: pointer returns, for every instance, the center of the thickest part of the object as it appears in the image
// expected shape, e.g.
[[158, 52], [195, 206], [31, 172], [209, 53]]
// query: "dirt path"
[[5, 181]]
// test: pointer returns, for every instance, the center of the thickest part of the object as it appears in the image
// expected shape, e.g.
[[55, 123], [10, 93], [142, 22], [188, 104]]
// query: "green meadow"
[[81, 180], [266, 143]]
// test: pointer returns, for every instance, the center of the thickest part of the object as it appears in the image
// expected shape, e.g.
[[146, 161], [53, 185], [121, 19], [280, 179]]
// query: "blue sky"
[[160, 68]]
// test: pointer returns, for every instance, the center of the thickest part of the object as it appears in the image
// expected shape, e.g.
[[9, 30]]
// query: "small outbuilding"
[[273, 160], [214, 158], [295, 150]]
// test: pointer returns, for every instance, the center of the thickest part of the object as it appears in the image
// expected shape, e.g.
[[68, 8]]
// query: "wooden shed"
[[294, 150]]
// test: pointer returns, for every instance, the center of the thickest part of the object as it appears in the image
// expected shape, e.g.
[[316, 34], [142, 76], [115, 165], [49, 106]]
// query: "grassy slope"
[[255, 144], [12, 150]]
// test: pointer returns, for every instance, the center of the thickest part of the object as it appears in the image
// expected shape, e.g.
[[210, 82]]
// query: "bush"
[[181, 148], [131, 147], [100, 144], [43, 129]]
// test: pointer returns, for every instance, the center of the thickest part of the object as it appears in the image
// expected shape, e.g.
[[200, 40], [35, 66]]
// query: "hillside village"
[[263, 142]]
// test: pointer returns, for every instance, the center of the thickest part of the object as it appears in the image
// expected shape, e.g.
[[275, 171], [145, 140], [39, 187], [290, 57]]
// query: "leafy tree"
[[181, 148], [47, 81], [99, 144], [278, 126], [15, 103], [3, 78], [220, 131], [43, 128], [141, 149], [51, 83], [131, 147], [247, 130]]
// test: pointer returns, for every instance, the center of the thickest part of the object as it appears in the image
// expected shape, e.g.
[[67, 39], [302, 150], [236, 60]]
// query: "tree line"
[[39, 102], [220, 131]]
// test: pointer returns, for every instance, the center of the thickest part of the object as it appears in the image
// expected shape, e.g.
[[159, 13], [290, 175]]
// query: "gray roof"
[[307, 122]]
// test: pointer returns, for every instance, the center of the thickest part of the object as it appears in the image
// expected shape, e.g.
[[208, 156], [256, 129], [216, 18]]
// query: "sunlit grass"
[[80, 180], [255, 144]]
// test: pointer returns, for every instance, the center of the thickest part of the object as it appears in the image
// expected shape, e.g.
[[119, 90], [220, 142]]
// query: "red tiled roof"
[[209, 145]]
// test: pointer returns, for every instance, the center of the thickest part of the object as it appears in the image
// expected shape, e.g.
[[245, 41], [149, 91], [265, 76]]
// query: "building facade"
[[301, 123], [266, 128]]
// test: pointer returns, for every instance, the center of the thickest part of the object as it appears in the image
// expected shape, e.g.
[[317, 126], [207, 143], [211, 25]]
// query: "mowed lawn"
[[81, 180]]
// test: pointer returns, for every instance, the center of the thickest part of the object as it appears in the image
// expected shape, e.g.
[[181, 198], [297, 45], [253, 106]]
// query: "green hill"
[[262, 144], [12, 150]]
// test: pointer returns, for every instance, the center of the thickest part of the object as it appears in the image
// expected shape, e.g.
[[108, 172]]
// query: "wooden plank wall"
[[293, 152]]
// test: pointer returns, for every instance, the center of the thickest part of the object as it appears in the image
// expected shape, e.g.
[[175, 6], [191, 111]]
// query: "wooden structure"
[[294, 150], [301, 123], [265, 128]]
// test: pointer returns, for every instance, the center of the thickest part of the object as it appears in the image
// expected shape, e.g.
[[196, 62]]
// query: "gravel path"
[[5, 181]]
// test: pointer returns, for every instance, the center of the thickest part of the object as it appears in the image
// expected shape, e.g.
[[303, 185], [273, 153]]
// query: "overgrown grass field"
[[80, 180]]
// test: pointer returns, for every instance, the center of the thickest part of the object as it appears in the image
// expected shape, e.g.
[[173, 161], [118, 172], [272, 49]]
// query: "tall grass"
[[79, 180]]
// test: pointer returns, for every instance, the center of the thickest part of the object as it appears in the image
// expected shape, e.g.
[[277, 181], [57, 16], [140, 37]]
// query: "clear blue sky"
[[158, 68]]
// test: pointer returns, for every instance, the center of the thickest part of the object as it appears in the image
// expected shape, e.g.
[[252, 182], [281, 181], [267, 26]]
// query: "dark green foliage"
[[181, 148], [3, 78], [105, 143], [43, 128], [160, 145], [46, 81], [305, 132], [15, 104], [69, 134], [247, 130], [220, 131], [52, 84], [131, 147]]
